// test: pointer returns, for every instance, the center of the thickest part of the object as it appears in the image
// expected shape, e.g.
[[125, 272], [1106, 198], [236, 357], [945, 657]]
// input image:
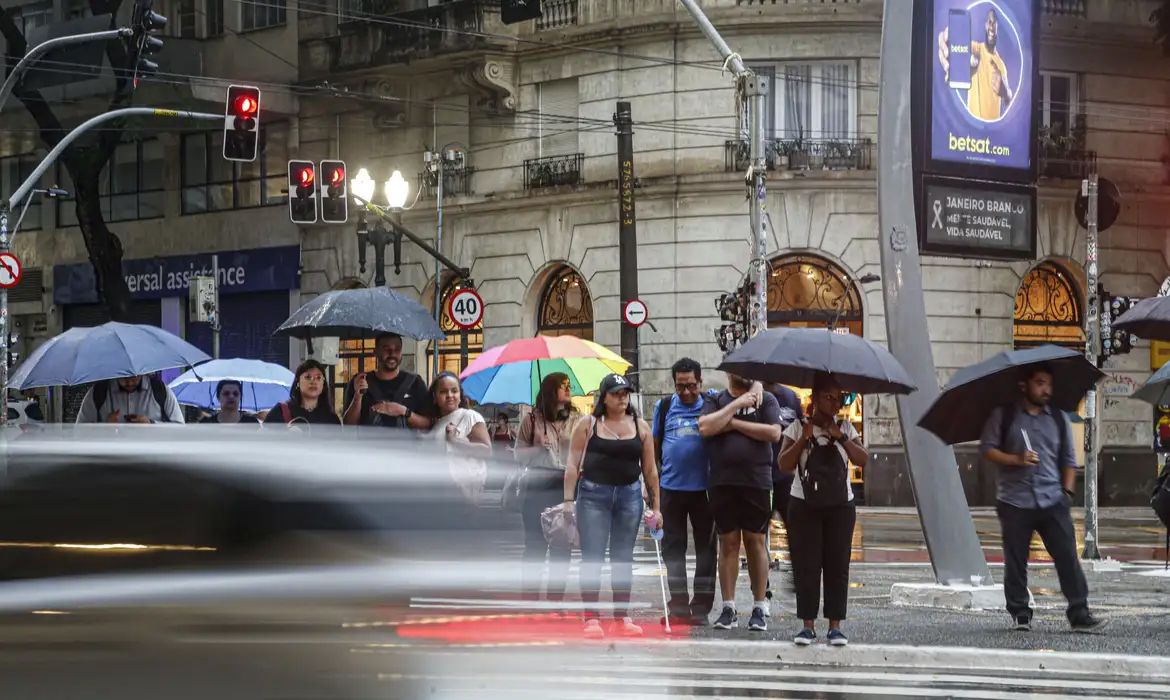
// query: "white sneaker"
[[627, 628], [593, 630]]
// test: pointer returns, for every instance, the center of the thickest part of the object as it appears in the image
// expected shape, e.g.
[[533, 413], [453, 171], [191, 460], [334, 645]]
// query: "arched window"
[[460, 347], [807, 291], [565, 306], [1048, 309]]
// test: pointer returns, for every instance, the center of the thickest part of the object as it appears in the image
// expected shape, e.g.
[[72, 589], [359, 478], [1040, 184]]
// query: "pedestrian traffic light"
[[241, 123], [145, 23], [302, 192], [334, 192]]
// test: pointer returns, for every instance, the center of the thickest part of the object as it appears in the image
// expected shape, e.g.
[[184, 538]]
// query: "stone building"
[[532, 207]]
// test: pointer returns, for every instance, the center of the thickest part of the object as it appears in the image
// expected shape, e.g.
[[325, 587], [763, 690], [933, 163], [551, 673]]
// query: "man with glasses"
[[683, 485]]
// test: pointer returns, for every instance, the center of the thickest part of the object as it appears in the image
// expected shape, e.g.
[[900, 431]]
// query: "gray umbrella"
[[1149, 318], [794, 356], [361, 313], [1156, 390], [959, 412]]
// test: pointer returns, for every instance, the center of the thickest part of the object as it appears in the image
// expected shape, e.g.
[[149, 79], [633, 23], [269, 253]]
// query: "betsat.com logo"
[[970, 144]]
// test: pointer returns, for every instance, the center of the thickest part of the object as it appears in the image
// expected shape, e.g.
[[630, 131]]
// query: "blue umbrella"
[[265, 384], [108, 351], [361, 313]]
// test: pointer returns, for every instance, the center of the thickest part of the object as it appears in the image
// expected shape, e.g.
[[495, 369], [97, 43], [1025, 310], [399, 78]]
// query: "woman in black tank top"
[[610, 455]]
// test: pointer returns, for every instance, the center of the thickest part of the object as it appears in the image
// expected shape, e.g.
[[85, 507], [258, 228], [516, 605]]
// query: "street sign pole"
[[4, 330], [1092, 348], [627, 236]]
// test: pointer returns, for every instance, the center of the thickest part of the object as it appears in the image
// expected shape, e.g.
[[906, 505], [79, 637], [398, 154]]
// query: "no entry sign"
[[10, 270], [635, 312], [465, 308]]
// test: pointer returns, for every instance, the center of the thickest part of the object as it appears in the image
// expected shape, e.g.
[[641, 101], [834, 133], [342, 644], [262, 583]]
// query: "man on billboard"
[[988, 94]]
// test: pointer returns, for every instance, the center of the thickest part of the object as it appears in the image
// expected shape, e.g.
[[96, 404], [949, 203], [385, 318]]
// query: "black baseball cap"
[[614, 382]]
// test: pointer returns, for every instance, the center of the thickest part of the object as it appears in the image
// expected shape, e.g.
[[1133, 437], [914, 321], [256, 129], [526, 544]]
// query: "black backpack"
[[101, 392], [1008, 414], [1160, 502], [824, 476]]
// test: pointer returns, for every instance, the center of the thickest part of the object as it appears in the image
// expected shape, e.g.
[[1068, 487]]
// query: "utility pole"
[[627, 234], [1092, 348], [752, 93], [438, 270], [5, 330], [215, 320]]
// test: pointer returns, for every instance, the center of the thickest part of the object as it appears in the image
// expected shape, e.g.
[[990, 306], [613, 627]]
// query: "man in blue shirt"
[[683, 485], [1029, 441]]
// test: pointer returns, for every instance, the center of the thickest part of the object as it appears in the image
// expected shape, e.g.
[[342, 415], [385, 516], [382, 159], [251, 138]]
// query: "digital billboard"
[[982, 73]]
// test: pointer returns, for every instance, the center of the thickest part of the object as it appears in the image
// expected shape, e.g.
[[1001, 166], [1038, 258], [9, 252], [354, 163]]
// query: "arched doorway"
[[566, 308], [808, 291], [1048, 309], [461, 346]]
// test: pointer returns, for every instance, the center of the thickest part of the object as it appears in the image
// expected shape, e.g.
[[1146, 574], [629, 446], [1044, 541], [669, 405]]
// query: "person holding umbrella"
[[138, 399], [821, 514], [309, 400], [392, 397], [1029, 440], [229, 392]]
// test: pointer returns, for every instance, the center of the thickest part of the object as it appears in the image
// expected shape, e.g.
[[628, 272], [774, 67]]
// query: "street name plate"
[[977, 219]]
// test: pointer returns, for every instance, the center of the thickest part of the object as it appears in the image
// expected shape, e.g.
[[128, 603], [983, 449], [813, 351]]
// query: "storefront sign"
[[978, 220], [983, 66], [255, 270]]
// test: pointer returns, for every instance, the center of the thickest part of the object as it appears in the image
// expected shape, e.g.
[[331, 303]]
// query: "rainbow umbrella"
[[511, 373]]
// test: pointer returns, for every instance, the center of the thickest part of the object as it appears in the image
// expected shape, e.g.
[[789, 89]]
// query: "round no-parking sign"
[[10, 270], [465, 308]]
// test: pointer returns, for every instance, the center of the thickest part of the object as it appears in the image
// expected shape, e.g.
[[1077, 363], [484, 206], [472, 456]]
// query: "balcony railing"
[[406, 36], [804, 154], [1071, 8], [1067, 164], [455, 182], [557, 13], [554, 171]]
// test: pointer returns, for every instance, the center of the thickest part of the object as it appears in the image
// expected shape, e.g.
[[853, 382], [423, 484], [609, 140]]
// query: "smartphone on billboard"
[[959, 48]]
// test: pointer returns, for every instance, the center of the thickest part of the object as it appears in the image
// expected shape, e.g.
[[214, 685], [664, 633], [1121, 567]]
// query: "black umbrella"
[[361, 313], [964, 405], [1149, 318], [794, 356]]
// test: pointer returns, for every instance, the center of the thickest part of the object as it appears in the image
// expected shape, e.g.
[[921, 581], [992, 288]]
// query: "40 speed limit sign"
[[465, 308]]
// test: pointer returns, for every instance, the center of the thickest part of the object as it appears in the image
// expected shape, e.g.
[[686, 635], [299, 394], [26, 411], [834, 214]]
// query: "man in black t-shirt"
[[391, 397], [740, 425]]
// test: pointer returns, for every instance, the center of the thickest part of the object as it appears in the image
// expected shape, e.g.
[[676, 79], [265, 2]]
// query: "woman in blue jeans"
[[610, 454]]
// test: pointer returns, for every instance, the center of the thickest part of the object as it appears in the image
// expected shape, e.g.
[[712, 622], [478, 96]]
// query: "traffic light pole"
[[1092, 348], [26, 189], [44, 47], [753, 91]]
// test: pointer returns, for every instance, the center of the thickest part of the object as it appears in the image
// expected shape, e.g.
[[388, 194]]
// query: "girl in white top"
[[464, 432], [820, 536]]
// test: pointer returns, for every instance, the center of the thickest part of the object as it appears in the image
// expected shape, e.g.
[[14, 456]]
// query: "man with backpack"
[[740, 426], [141, 399], [391, 397], [683, 486], [1029, 440]]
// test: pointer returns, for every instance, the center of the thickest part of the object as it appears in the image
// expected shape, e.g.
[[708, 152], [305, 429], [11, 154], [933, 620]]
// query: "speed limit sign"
[[465, 308]]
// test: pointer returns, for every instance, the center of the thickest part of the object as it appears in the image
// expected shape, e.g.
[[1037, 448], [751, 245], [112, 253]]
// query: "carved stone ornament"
[[493, 78]]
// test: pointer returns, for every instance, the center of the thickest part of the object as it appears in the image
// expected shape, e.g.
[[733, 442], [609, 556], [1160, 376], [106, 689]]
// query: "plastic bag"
[[560, 526]]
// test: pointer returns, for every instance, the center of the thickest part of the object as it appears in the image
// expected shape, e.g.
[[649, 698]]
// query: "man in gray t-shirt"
[[1037, 472]]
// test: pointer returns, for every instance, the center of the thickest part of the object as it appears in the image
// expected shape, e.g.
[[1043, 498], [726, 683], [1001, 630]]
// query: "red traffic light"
[[246, 106], [305, 176], [337, 176]]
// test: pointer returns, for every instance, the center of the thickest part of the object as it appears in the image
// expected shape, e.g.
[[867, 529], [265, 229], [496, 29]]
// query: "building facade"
[[532, 209]]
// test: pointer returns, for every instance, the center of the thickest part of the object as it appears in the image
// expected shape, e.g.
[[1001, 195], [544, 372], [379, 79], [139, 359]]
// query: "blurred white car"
[[22, 412]]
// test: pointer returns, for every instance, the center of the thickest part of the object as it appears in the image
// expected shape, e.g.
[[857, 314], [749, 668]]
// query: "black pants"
[[542, 491], [820, 541], [677, 508], [1056, 531]]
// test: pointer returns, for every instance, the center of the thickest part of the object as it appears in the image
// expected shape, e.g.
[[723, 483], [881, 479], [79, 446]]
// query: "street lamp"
[[396, 188]]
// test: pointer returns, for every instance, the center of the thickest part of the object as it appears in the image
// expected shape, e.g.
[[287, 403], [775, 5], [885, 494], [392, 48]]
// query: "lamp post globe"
[[396, 189], [362, 186]]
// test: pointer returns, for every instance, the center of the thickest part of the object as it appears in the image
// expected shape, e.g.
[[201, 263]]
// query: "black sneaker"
[[1089, 624], [728, 620], [837, 638], [1023, 624], [805, 637], [758, 623]]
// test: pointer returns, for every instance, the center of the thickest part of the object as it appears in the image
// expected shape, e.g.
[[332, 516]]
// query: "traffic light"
[[334, 192], [241, 123], [1114, 341], [302, 191], [145, 23]]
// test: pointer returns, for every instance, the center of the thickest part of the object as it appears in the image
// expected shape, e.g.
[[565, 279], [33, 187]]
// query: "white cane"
[[662, 584]]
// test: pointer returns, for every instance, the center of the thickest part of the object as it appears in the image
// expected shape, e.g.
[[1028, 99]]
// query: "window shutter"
[[558, 117]]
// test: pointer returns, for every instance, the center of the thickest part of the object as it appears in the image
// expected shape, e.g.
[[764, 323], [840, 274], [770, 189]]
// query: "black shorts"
[[740, 508]]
